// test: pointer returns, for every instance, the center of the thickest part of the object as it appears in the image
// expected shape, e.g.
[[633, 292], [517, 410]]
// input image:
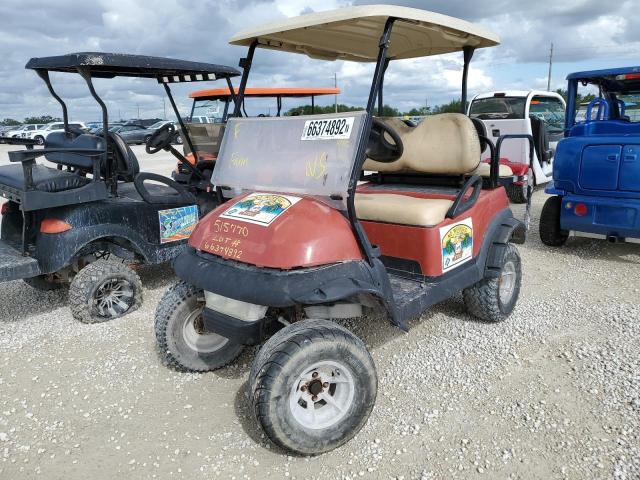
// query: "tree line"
[[10, 122]]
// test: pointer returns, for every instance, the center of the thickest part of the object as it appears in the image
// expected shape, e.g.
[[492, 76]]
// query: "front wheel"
[[39, 139], [104, 290], [493, 299], [180, 333], [179, 140], [312, 386]]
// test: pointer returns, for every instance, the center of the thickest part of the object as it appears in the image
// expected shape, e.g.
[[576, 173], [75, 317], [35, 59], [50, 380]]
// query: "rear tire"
[[312, 386], [39, 139], [517, 193], [43, 283], [179, 334], [104, 290], [493, 299], [550, 232]]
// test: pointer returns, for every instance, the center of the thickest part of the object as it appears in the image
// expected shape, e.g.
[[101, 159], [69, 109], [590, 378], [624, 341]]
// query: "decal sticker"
[[456, 242], [177, 223], [260, 208], [328, 129]]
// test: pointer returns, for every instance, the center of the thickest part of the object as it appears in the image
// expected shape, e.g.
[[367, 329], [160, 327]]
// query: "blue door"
[[600, 166], [630, 169]]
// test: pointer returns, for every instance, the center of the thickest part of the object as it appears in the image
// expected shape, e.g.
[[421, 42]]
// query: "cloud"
[[581, 30]]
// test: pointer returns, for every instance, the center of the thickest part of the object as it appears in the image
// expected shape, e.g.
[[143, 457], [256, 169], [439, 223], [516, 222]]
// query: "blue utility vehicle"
[[596, 173]]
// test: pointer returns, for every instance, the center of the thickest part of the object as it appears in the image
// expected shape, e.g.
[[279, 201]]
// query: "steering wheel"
[[161, 139], [379, 148]]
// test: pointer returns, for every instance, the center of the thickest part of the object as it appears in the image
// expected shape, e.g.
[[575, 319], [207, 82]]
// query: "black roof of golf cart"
[[36, 186], [110, 65]]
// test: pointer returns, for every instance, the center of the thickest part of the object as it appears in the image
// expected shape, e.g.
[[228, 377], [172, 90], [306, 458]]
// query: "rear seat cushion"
[[445, 144], [45, 179], [401, 209], [484, 170]]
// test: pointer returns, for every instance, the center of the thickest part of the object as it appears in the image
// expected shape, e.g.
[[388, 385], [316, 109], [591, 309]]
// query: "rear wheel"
[[104, 290], [181, 336], [39, 139], [179, 140], [517, 193], [493, 299], [312, 386], [550, 232]]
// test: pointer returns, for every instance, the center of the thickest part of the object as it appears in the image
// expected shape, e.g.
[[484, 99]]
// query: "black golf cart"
[[87, 214], [313, 238]]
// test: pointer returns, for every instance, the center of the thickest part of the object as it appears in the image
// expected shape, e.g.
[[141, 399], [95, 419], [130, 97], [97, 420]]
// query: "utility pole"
[[335, 85], [550, 64]]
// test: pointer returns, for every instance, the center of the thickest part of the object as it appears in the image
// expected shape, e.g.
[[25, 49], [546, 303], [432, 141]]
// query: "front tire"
[[180, 335], [104, 290], [550, 232], [39, 139], [493, 299], [312, 386]]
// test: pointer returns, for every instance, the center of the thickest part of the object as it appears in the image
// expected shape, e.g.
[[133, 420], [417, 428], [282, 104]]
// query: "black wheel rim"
[[113, 298]]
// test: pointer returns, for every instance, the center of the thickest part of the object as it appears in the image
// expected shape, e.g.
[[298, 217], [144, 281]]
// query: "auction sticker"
[[260, 208], [177, 223], [456, 241], [327, 129]]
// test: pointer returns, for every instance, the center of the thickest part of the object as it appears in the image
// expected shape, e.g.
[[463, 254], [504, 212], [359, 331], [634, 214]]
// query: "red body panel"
[[422, 244], [308, 234]]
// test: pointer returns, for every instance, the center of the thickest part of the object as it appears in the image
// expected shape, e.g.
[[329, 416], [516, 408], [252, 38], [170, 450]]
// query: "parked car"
[[18, 131], [133, 134], [44, 131]]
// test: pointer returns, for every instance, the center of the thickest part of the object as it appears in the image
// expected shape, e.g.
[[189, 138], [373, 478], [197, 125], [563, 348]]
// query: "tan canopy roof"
[[352, 34]]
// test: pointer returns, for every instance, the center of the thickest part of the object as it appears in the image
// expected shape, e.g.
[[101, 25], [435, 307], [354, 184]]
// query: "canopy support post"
[[44, 75], [245, 64], [378, 76], [111, 179], [468, 53], [185, 134], [380, 98]]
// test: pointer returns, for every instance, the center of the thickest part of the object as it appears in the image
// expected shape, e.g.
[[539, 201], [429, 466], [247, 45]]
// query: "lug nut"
[[325, 385], [303, 388], [314, 398], [314, 374]]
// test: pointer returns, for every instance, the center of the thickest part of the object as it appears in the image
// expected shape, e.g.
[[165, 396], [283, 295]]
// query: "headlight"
[[248, 312]]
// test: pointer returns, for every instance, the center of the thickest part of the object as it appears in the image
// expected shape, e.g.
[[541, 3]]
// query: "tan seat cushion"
[[444, 144], [401, 209], [484, 170]]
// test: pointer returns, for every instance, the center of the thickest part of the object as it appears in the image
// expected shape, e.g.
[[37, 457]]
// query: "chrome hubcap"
[[322, 395], [195, 336], [507, 282], [113, 297]]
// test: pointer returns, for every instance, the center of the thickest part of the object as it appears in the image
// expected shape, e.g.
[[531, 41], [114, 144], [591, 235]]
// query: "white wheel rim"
[[507, 282], [196, 339], [322, 395]]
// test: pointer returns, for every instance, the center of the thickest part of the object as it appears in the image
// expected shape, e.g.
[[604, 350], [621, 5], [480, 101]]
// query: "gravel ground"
[[554, 392]]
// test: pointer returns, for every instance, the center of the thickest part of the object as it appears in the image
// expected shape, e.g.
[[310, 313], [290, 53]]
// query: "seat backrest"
[[126, 162], [74, 139], [444, 144]]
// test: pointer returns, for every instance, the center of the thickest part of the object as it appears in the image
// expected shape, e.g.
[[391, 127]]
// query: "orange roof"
[[265, 92]]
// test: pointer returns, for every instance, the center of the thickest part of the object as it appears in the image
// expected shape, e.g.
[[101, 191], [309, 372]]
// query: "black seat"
[[126, 162], [45, 179], [37, 186]]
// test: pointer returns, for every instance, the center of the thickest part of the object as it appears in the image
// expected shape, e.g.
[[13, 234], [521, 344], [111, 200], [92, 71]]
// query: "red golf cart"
[[312, 239]]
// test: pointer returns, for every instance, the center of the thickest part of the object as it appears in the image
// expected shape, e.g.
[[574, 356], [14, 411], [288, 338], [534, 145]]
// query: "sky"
[[587, 34]]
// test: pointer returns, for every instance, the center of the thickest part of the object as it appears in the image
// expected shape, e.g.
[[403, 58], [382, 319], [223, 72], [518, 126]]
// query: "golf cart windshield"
[[311, 155], [498, 108]]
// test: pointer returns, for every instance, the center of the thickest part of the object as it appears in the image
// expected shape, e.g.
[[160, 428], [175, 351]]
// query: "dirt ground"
[[553, 392]]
